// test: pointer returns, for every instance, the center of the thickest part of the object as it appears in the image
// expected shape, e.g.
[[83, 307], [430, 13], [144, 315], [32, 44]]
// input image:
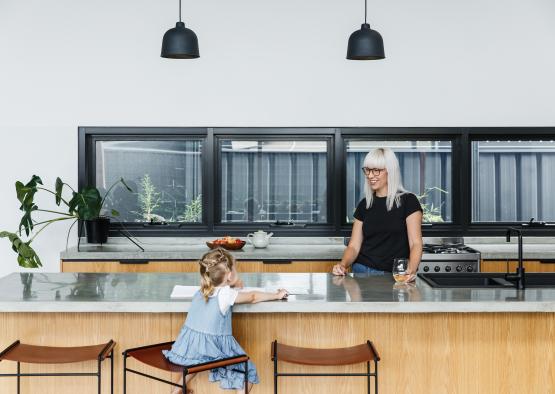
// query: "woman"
[[387, 222]]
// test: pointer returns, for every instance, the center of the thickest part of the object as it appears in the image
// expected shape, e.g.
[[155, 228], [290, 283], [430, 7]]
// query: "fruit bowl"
[[228, 243]]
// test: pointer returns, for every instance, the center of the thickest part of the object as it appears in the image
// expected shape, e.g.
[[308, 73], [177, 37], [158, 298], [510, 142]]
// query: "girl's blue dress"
[[206, 336]]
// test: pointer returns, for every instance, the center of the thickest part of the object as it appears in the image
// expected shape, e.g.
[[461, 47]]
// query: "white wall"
[[65, 63]]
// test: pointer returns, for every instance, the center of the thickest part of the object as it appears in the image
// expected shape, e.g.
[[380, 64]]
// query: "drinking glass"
[[400, 269]]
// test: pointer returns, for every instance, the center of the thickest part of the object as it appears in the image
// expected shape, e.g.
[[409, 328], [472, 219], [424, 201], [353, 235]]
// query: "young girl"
[[206, 334]]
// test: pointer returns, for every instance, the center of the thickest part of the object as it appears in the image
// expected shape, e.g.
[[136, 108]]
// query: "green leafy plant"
[[149, 199], [193, 210], [431, 213], [84, 205]]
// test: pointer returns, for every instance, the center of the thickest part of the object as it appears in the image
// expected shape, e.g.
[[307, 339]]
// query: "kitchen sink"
[[486, 280], [461, 280], [538, 279]]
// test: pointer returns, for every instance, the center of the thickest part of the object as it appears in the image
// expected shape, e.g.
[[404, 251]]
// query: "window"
[[218, 181], [269, 180], [165, 177], [512, 181], [425, 171]]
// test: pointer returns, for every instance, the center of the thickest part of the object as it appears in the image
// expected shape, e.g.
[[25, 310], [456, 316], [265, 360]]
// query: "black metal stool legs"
[[18, 377], [274, 347], [376, 376], [246, 377], [368, 372], [99, 377], [112, 372], [185, 381], [124, 372]]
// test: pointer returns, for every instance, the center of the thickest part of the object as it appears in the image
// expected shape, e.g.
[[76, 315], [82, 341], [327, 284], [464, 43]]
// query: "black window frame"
[[415, 134], [503, 134], [461, 137], [274, 134]]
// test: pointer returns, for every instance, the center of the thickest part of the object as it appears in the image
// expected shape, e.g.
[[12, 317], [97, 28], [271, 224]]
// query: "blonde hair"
[[385, 158], [214, 266]]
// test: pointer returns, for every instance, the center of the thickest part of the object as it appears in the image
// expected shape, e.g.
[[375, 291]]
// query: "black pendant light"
[[365, 44], [180, 42]]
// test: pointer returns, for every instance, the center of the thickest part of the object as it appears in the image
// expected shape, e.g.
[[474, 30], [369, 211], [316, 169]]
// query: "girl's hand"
[[281, 294], [238, 284]]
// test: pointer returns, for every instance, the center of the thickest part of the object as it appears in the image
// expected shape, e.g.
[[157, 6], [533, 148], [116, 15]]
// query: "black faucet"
[[518, 278]]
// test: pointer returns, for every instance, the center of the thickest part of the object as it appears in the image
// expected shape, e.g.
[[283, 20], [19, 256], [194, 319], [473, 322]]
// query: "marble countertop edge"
[[283, 307]]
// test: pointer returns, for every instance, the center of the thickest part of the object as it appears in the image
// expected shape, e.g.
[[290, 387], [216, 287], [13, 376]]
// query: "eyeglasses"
[[374, 171]]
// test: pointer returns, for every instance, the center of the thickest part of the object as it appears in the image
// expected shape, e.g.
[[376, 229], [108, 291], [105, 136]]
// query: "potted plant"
[[85, 205]]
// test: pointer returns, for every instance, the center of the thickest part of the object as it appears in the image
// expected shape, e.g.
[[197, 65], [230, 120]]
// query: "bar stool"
[[152, 355], [326, 357], [32, 354]]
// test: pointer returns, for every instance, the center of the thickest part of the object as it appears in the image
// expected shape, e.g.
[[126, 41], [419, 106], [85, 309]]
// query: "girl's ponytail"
[[214, 266]]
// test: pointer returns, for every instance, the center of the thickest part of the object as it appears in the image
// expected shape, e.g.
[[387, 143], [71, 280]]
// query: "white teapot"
[[259, 239]]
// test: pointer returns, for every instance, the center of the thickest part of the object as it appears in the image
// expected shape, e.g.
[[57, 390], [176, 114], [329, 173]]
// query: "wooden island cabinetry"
[[453, 340], [511, 265], [256, 266]]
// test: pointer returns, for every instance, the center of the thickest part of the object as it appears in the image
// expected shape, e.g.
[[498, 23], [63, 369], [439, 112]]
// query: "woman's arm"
[[252, 297], [351, 251], [414, 232]]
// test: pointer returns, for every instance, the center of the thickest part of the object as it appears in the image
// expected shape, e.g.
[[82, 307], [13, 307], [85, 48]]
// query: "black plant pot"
[[97, 230]]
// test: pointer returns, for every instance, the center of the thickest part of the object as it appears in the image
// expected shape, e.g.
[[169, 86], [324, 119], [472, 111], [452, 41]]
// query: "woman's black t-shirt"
[[385, 232]]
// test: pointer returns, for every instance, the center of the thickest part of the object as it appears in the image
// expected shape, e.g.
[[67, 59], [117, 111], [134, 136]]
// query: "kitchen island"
[[430, 340]]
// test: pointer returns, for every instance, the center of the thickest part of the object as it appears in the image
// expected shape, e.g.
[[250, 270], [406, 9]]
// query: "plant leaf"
[[115, 213], [126, 186], [86, 204], [26, 255], [25, 195], [59, 187]]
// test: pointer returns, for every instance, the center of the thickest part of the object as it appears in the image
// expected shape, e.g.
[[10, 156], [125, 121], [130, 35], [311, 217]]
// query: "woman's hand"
[[339, 269], [412, 276]]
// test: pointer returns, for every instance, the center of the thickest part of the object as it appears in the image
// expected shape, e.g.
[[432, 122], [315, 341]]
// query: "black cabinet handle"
[[547, 261], [134, 261], [277, 261]]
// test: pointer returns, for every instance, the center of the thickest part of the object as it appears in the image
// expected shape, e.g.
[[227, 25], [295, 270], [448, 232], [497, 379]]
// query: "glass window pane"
[[271, 180], [513, 181], [425, 171], [165, 177]]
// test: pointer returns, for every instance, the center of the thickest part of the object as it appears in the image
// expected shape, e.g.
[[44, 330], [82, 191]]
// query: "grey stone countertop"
[[310, 293], [292, 248]]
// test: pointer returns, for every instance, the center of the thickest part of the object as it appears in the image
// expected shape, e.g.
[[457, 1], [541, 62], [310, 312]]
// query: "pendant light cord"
[[365, 10], [179, 10]]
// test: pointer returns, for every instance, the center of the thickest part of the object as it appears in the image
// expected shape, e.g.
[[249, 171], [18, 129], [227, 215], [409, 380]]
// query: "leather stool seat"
[[37, 354], [365, 352], [152, 355]]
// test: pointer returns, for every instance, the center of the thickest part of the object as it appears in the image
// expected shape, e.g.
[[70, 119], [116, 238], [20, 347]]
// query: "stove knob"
[[436, 268], [448, 268], [426, 268], [459, 268], [469, 268]]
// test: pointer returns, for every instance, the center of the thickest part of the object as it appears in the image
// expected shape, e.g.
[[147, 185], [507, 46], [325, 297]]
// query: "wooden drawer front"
[[285, 266], [511, 265], [192, 266], [129, 266]]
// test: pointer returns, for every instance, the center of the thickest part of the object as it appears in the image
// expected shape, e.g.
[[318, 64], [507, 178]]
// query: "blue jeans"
[[358, 268]]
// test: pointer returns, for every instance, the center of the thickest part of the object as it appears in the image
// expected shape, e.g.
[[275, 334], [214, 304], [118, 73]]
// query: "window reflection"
[[425, 170], [513, 181], [273, 180], [166, 178]]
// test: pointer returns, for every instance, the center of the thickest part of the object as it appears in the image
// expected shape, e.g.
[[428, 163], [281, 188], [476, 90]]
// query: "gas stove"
[[448, 255]]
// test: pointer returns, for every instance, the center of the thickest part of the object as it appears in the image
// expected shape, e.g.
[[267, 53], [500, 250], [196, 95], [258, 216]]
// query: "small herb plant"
[[84, 205], [431, 213]]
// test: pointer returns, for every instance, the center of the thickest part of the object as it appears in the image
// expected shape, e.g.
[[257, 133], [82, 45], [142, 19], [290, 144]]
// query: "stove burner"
[[446, 248]]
